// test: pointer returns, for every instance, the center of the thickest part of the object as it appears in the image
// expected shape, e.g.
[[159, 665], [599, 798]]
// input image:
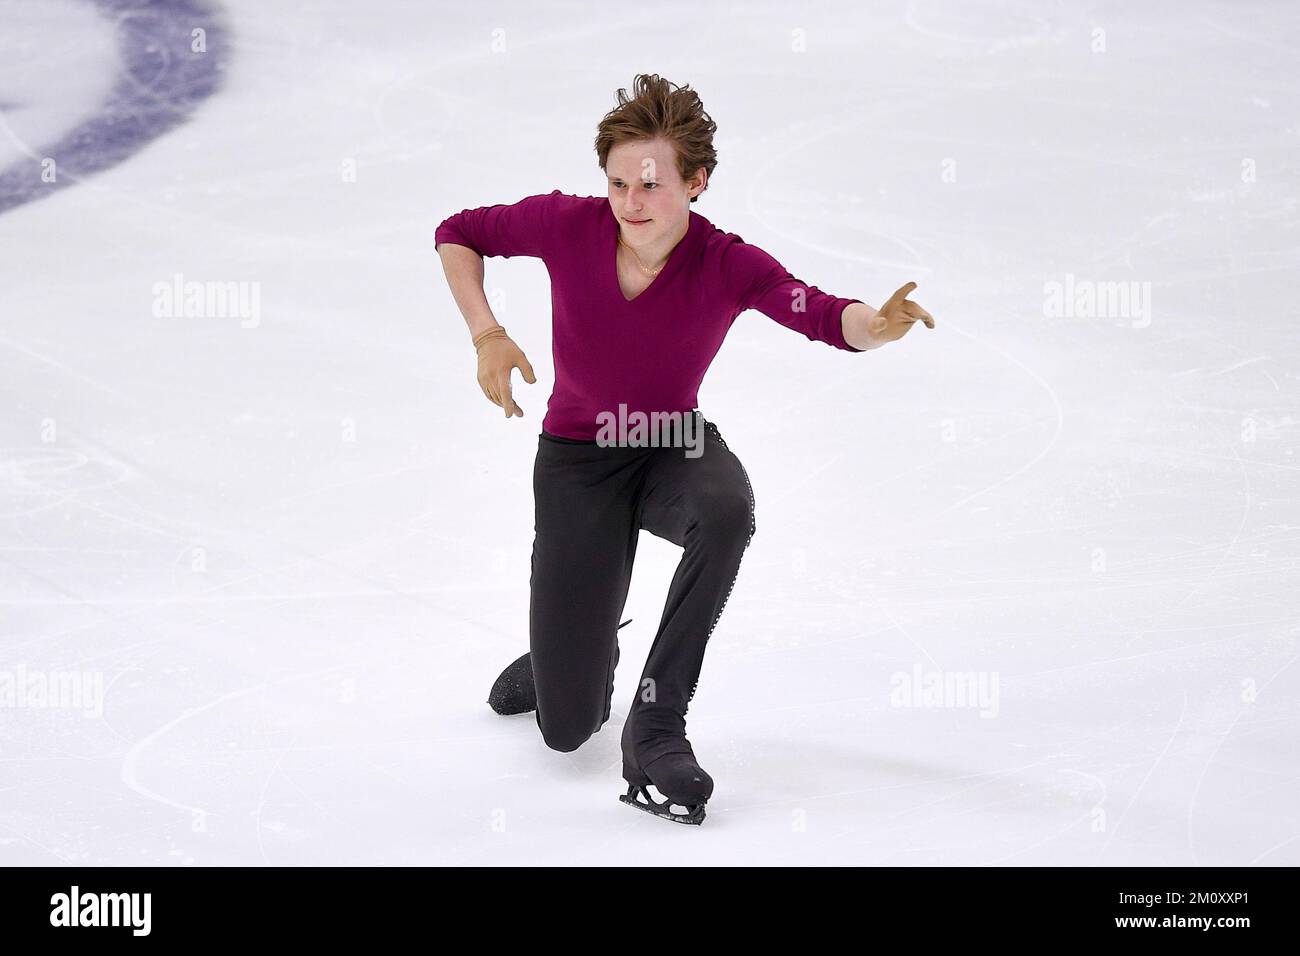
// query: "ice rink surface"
[[265, 564]]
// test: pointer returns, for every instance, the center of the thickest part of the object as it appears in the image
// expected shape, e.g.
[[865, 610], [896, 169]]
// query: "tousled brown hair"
[[660, 108]]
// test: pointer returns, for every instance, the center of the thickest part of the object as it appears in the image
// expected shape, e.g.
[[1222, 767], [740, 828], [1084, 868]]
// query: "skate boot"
[[676, 775], [514, 693], [682, 781]]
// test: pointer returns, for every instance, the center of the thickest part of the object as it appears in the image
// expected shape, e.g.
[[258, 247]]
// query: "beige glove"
[[498, 356], [897, 316]]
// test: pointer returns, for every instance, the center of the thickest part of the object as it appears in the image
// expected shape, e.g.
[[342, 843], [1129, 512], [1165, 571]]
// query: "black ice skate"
[[514, 693], [681, 781]]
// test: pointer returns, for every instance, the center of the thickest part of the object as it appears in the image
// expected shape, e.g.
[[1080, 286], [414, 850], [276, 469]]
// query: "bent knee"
[[728, 513], [564, 739]]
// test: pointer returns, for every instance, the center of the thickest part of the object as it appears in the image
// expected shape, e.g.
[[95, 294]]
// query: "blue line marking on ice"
[[162, 82]]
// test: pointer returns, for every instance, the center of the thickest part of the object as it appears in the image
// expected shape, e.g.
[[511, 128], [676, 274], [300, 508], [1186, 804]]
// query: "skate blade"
[[694, 816]]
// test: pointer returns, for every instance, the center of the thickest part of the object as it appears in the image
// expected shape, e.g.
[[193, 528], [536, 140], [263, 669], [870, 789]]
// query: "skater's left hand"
[[897, 316]]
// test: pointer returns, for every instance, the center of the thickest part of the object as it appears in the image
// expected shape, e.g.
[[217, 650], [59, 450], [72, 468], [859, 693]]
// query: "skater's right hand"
[[498, 356]]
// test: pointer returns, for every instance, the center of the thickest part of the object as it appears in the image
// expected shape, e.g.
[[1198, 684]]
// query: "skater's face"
[[647, 194]]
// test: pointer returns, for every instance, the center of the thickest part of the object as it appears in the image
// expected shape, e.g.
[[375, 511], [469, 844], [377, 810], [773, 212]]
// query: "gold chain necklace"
[[648, 272]]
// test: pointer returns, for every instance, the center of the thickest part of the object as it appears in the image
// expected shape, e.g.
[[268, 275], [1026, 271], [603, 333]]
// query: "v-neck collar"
[[671, 266]]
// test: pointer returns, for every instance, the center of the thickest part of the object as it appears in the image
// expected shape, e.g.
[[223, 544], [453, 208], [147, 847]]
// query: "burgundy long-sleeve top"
[[651, 352]]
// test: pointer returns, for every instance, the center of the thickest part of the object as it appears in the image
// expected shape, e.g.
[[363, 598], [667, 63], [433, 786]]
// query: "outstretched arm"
[[766, 285], [868, 328]]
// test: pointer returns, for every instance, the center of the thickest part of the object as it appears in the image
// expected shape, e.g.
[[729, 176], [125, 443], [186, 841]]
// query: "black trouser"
[[591, 503]]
